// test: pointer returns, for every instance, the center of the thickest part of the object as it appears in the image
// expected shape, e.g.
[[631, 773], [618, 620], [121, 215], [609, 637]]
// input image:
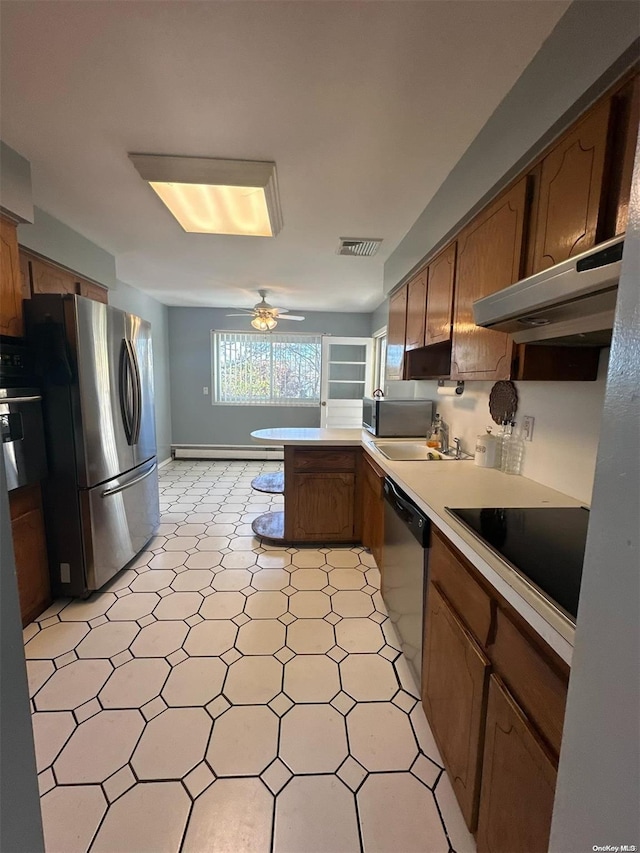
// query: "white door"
[[346, 379]]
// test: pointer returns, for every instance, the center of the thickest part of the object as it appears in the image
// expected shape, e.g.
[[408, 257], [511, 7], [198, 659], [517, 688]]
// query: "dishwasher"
[[404, 560]]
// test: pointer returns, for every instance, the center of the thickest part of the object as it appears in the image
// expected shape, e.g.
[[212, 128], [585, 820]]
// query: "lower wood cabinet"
[[518, 781], [454, 687], [30, 550], [373, 508], [322, 494], [494, 693]]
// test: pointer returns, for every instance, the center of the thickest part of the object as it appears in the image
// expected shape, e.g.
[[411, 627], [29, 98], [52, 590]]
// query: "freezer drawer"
[[118, 518]]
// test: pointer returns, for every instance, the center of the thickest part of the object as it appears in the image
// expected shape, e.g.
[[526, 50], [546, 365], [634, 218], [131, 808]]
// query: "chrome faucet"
[[457, 441]]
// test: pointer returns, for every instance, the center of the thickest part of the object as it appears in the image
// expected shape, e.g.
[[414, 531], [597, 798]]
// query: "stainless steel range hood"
[[572, 303]]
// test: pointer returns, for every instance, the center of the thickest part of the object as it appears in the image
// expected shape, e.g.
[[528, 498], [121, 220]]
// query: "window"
[[265, 370]]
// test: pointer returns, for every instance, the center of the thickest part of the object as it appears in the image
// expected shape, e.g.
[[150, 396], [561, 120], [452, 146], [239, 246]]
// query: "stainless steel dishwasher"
[[404, 560]]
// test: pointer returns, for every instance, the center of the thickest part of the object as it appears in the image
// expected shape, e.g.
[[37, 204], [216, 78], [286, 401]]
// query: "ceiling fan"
[[265, 316]]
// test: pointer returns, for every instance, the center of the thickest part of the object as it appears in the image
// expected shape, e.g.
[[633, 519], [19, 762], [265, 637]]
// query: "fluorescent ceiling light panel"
[[215, 196]]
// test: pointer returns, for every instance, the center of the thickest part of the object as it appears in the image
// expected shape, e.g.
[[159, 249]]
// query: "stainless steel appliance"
[[397, 418], [572, 302], [405, 551], [20, 417], [544, 545], [101, 498]]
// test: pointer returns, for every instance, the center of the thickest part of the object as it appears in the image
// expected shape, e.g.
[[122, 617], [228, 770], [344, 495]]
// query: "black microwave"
[[397, 418]]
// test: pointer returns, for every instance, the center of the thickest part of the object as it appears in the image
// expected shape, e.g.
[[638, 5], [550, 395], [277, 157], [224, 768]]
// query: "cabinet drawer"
[[340, 459], [467, 597], [518, 781], [539, 687]]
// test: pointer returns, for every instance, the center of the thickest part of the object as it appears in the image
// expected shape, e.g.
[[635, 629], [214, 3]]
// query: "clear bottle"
[[514, 455], [434, 439]]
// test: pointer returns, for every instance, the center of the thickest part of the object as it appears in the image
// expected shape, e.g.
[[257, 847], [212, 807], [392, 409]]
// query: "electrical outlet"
[[527, 427], [205, 390]]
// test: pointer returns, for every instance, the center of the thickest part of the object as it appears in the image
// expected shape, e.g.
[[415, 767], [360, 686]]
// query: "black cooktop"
[[544, 544]]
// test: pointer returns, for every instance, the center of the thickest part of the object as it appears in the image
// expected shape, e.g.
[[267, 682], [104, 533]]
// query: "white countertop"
[[436, 485]]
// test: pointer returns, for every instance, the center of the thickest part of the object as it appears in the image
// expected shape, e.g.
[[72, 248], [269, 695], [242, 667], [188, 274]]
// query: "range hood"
[[572, 303]]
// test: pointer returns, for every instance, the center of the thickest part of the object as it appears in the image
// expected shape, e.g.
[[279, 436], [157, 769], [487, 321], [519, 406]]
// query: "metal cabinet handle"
[[116, 489]]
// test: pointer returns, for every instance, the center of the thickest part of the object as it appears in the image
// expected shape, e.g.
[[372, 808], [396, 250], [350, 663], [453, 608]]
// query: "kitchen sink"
[[411, 451]]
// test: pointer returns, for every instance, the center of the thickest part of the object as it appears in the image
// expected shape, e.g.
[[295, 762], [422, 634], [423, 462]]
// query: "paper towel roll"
[[448, 391]]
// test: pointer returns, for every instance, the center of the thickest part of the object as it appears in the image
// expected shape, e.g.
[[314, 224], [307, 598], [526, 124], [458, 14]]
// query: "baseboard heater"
[[227, 451]]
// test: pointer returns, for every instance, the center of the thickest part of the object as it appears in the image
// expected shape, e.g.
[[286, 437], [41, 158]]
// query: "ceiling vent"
[[361, 247]]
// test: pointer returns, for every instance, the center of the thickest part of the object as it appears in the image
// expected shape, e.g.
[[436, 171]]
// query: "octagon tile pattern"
[[223, 693]]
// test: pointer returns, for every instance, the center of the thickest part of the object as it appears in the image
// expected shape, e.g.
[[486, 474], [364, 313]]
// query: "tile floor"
[[224, 695]]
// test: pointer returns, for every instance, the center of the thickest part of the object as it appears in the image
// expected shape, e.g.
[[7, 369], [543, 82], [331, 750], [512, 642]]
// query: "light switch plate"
[[205, 390], [527, 427]]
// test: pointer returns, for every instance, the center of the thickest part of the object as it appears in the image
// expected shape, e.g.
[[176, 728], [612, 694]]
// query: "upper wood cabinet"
[[490, 255], [625, 137], [396, 331], [416, 311], [441, 272], [10, 281], [570, 191], [518, 781], [93, 291], [46, 278]]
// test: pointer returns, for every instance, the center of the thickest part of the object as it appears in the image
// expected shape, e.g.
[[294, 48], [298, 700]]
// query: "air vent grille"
[[361, 247]]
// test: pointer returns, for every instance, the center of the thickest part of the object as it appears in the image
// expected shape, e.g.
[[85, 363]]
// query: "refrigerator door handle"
[[10, 400], [116, 489], [137, 393], [124, 381]]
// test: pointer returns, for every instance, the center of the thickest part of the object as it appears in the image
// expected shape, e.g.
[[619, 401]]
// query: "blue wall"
[[194, 419]]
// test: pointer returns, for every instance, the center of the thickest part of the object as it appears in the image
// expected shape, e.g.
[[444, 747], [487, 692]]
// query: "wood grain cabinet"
[[490, 258], [373, 508], [416, 311], [570, 198], [47, 277], [10, 281], [494, 694], [454, 685], [30, 550], [321, 495], [518, 781], [441, 272], [396, 331]]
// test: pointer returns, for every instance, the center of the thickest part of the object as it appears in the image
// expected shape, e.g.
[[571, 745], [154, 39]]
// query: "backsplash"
[[567, 426]]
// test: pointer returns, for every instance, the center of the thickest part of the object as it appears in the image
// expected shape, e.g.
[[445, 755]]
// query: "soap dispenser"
[[434, 439]]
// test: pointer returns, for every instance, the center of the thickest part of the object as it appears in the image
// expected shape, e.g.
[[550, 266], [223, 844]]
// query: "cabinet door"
[[93, 291], [570, 191], [25, 275], [322, 507], [440, 296], [416, 311], [10, 281], [47, 278], [30, 550], [372, 509], [518, 781], [396, 329], [454, 686], [490, 252]]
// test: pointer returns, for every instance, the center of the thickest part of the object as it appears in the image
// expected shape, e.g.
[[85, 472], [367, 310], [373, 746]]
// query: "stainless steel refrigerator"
[[101, 497]]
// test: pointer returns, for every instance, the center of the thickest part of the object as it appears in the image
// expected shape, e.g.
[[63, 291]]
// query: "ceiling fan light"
[[209, 196], [264, 324]]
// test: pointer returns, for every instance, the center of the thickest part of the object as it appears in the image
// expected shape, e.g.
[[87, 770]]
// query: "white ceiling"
[[364, 106]]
